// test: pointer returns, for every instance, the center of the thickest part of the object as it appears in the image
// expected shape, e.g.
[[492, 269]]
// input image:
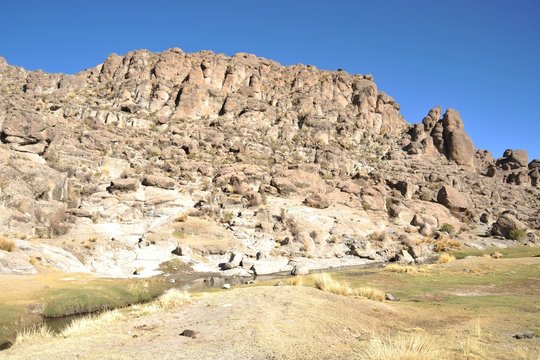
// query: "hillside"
[[240, 165]]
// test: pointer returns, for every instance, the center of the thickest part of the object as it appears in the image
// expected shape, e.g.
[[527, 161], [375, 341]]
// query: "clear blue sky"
[[480, 57]]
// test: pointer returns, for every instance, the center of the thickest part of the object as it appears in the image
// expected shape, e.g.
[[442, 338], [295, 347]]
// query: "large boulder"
[[454, 200], [457, 144], [163, 182], [506, 224], [520, 156]]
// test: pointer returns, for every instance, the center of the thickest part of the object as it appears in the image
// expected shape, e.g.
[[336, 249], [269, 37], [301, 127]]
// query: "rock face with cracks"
[[238, 165]]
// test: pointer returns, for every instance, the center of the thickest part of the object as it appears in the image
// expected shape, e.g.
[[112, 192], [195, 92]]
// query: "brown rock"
[[297, 181], [452, 199], [318, 201], [163, 182], [505, 224], [458, 145]]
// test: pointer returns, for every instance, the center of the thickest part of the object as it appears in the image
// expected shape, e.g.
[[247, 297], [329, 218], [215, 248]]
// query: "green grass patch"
[[99, 295], [65, 298], [510, 252]]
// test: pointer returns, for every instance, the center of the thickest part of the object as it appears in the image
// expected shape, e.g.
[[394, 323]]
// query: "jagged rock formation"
[[147, 157]]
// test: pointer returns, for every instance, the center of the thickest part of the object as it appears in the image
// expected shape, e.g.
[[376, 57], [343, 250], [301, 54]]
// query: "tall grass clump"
[[173, 298], [32, 334], [408, 269], [403, 347], [7, 244], [82, 325], [446, 258], [326, 283]]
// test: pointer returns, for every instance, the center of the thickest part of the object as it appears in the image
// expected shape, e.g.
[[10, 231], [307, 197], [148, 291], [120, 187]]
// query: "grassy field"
[[469, 308]]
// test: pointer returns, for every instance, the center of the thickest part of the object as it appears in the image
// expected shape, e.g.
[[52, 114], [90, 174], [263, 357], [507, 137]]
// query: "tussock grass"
[[471, 347], [295, 281], [403, 347], [172, 298], [370, 293], [446, 245], [446, 258], [408, 269], [7, 244], [82, 325], [326, 283], [33, 334], [440, 245]]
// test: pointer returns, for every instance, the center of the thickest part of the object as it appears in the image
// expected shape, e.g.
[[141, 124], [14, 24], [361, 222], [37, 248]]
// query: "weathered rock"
[[297, 181], [452, 199], [458, 145], [318, 201], [163, 182], [189, 333], [129, 184], [505, 224], [519, 157]]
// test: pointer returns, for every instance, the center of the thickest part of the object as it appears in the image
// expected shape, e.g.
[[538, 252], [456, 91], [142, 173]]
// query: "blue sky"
[[480, 57]]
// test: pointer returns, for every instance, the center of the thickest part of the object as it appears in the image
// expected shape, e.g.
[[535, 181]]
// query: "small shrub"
[[227, 217], [445, 258], [517, 234], [448, 228], [7, 244]]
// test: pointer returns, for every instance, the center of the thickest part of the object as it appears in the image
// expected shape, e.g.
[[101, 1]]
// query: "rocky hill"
[[241, 165]]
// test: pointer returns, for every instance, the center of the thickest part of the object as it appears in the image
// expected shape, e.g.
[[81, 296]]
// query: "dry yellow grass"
[[82, 325], [445, 244], [369, 293], [295, 281], [326, 283], [440, 245], [33, 334], [182, 217], [403, 347], [7, 244], [409, 269], [172, 298], [446, 258]]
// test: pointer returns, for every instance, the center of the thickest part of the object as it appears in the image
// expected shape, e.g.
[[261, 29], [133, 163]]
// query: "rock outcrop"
[[240, 161]]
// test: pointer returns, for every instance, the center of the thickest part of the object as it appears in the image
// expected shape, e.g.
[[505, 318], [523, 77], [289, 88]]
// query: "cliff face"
[[203, 154]]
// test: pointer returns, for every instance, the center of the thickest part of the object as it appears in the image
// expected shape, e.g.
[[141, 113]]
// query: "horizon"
[[482, 62]]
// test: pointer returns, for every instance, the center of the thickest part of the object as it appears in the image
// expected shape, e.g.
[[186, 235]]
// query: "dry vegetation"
[[326, 283], [404, 347], [409, 269], [445, 258], [440, 245], [7, 244]]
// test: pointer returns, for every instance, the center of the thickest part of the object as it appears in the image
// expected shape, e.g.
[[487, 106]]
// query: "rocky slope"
[[241, 165]]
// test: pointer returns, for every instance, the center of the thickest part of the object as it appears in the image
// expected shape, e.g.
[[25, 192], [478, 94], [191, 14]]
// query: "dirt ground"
[[469, 314]]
